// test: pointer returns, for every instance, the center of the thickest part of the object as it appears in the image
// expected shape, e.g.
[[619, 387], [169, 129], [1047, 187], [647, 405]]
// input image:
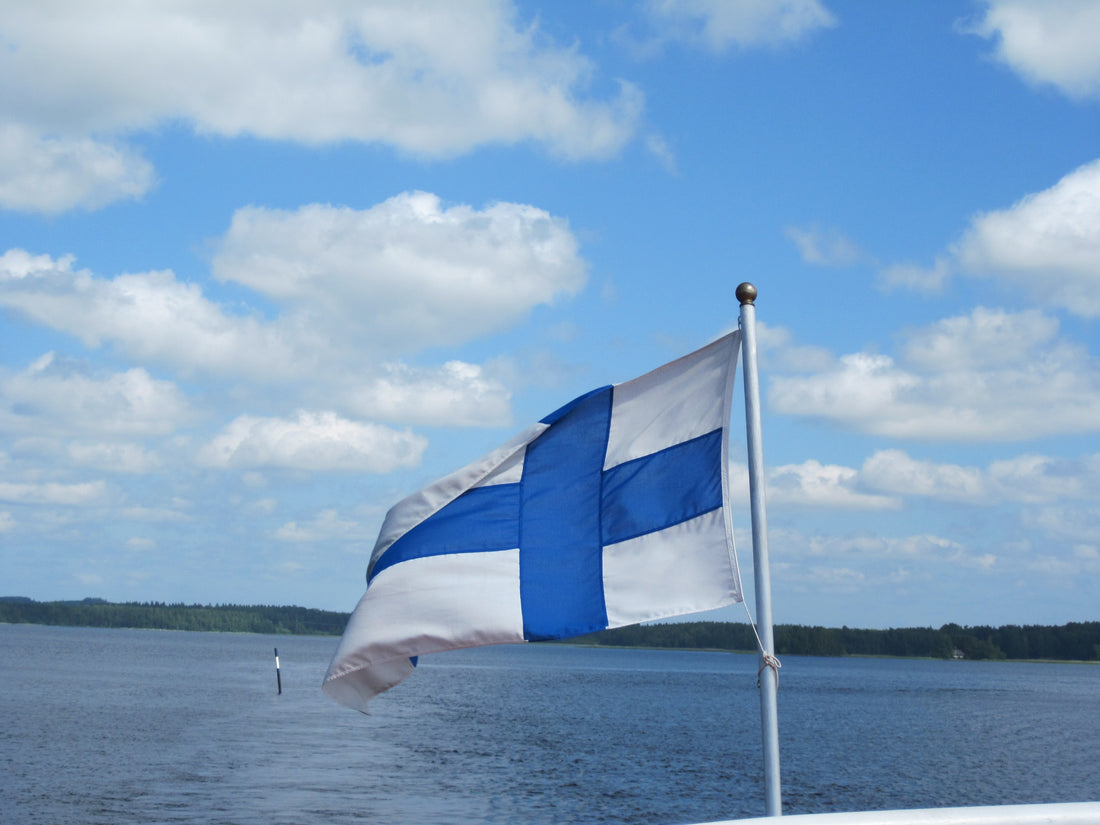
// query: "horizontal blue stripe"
[[662, 489], [481, 519]]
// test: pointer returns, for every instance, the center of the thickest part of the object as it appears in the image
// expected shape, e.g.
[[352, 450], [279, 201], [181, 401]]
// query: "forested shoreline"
[[227, 618], [1075, 641]]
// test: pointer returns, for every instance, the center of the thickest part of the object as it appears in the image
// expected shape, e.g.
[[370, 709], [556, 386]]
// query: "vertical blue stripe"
[[561, 553]]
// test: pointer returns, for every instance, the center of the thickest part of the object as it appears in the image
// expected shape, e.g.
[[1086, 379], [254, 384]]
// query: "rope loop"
[[769, 662]]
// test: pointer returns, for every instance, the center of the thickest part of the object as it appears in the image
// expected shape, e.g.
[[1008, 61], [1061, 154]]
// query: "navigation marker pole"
[[769, 675], [278, 676]]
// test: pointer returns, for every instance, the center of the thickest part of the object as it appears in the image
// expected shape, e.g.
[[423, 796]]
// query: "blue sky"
[[265, 272]]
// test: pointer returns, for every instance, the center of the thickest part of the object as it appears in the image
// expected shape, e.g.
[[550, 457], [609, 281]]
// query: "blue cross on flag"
[[610, 511]]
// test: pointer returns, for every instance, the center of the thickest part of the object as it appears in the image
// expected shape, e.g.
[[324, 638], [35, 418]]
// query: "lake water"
[[137, 726]]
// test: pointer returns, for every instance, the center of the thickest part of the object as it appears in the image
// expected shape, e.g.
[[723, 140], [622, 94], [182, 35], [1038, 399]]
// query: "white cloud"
[[348, 290], [436, 79], [1047, 244], [812, 484], [326, 526], [149, 316], [1053, 42], [456, 394], [989, 376], [56, 397], [825, 246], [1036, 478], [985, 339], [312, 441], [1024, 480], [52, 175], [778, 351], [1065, 522], [889, 478], [408, 271], [7, 523], [921, 549], [892, 471], [82, 494], [719, 24]]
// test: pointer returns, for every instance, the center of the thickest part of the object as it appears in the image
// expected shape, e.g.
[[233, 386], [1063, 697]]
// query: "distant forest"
[[1076, 641], [227, 618]]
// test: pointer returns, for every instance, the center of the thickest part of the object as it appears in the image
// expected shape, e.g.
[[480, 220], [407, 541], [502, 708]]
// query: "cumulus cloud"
[[989, 376], [406, 273], [149, 316], [1056, 42], [434, 78], [457, 393], [347, 293], [56, 396], [1047, 244], [891, 478], [52, 175], [894, 472], [831, 486], [719, 24], [312, 441]]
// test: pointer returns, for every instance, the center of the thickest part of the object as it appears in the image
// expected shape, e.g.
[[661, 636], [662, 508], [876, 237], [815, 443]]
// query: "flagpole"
[[769, 676]]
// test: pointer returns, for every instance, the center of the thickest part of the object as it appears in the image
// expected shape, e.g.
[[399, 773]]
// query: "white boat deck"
[[1058, 813]]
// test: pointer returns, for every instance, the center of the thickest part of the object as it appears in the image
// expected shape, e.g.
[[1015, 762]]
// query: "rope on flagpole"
[[768, 659], [769, 662]]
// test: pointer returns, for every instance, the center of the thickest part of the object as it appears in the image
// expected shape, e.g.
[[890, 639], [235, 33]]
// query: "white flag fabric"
[[613, 510]]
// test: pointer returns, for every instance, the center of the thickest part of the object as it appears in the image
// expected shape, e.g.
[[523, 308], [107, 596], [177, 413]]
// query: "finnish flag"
[[610, 511]]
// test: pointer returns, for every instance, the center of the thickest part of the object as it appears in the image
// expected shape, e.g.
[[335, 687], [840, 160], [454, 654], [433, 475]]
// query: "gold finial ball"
[[746, 293]]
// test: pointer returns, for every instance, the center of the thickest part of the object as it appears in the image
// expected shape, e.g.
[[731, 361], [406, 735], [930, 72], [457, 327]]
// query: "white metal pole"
[[769, 677]]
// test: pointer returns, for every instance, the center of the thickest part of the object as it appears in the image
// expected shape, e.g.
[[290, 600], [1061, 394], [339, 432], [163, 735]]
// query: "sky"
[[266, 269]]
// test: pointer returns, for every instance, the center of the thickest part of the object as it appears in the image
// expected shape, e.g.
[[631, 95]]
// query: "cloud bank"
[[437, 83], [988, 376]]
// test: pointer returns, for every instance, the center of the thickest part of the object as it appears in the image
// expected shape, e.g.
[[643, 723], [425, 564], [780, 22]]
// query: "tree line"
[[229, 618], [1076, 641]]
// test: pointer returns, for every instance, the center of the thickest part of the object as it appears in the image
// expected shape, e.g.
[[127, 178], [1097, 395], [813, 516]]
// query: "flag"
[[608, 512]]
